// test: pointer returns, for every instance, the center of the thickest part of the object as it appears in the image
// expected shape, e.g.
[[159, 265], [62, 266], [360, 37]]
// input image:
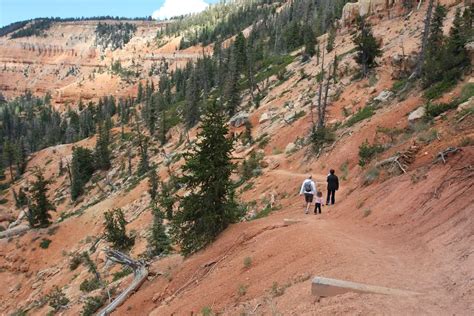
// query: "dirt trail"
[[320, 245]]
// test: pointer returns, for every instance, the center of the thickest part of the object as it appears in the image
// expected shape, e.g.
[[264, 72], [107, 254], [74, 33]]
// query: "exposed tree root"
[[442, 155], [401, 160]]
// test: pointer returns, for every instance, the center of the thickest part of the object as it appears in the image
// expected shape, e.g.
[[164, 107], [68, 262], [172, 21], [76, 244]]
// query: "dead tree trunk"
[[320, 95], [140, 274], [426, 31]]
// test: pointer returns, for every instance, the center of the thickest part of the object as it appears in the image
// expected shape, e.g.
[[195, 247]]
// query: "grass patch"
[[360, 115], [277, 290], [266, 211], [273, 65], [242, 290], [398, 85], [247, 262], [367, 212], [207, 311]]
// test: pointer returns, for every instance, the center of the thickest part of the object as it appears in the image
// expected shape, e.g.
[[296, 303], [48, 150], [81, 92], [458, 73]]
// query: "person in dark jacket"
[[333, 186]]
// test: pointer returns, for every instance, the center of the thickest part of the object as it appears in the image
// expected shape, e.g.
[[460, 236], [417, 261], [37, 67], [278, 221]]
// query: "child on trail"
[[319, 202], [308, 188]]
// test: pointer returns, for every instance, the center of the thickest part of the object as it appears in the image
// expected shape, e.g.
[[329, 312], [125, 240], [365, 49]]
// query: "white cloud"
[[172, 8]]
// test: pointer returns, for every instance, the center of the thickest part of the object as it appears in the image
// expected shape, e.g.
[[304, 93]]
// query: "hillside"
[[404, 225]]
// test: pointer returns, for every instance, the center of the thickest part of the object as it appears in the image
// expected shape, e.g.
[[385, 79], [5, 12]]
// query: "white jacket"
[[313, 187]]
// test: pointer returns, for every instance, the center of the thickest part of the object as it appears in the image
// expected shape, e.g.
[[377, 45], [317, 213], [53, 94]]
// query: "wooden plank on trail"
[[325, 287]]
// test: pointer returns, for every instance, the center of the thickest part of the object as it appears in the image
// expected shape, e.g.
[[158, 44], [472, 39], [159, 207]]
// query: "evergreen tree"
[[102, 152], [191, 109], [166, 199], [309, 42], [82, 168], [143, 165], [366, 45], [9, 156], [456, 55], [159, 241], [152, 184], [331, 39], [115, 230], [210, 206], [38, 212], [20, 157], [22, 199], [140, 92], [433, 67]]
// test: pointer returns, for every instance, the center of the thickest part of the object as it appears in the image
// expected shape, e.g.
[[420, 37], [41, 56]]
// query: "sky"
[[18, 10]]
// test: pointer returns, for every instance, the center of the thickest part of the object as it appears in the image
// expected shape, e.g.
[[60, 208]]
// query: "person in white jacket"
[[308, 188]]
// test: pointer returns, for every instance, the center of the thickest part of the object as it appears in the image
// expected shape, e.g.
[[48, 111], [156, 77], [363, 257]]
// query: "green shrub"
[[90, 285], [360, 115], [320, 137], [399, 85], [367, 152], [345, 170], [370, 177], [433, 110], [438, 89], [122, 273], [251, 167], [45, 243], [76, 261], [92, 305], [207, 311], [467, 92], [57, 299]]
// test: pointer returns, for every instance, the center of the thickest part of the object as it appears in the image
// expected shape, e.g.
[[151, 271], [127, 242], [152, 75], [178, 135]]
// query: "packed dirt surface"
[[412, 231]]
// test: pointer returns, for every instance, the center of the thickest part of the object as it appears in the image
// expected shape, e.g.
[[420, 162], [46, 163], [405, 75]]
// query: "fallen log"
[[140, 274], [17, 230]]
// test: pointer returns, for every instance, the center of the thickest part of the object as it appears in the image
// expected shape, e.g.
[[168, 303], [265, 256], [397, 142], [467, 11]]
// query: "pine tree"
[[9, 156], [21, 199], [331, 39], [152, 184], [140, 92], [102, 152], [456, 55], [115, 230], [166, 199], [367, 46], [309, 42], [433, 68], [143, 165], [159, 241], [191, 109], [38, 212], [210, 206], [82, 168], [20, 157]]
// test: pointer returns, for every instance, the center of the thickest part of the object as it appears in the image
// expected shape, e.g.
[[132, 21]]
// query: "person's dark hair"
[[310, 177], [332, 171], [319, 194]]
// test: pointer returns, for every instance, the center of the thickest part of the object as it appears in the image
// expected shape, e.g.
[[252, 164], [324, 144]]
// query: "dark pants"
[[308, 197], [331, 197], [317, 208]]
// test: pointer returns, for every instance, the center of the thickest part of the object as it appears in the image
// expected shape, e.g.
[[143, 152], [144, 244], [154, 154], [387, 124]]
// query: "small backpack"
[[308, 187]]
